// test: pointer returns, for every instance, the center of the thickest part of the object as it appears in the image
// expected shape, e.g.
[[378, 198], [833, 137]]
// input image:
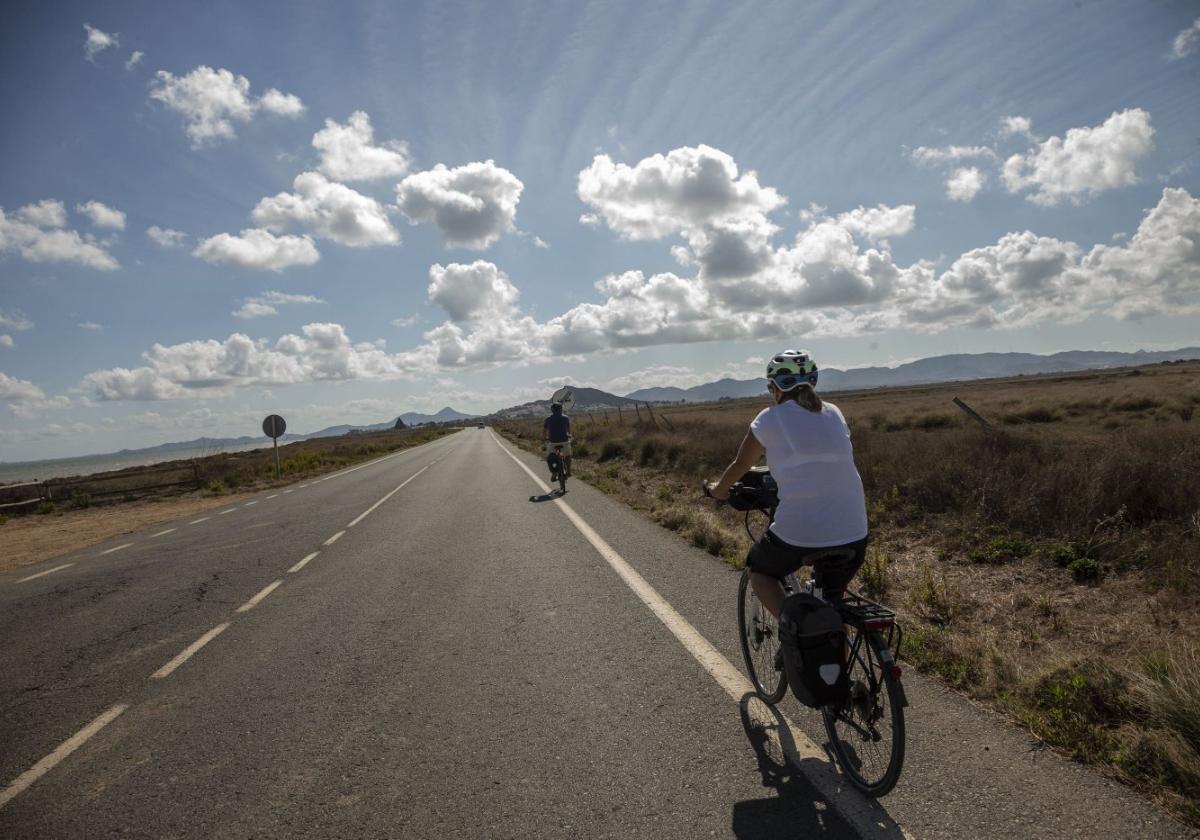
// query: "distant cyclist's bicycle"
[[558, 467], [866, 731]]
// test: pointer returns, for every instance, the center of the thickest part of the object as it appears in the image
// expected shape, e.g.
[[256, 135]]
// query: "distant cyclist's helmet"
[[556, 408], [791, 369]]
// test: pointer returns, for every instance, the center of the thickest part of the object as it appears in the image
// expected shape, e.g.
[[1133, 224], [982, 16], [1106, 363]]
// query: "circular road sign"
[[274, 426], [566, 396]]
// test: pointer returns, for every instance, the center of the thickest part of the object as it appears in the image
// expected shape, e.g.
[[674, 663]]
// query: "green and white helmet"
[[791, 369]]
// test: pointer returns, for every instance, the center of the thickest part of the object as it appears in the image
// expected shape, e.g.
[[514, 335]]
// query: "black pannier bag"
[[758, 491], [814, 650]]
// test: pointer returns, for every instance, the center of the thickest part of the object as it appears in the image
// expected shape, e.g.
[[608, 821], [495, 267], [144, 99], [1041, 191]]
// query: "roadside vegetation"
[[1046, 564]]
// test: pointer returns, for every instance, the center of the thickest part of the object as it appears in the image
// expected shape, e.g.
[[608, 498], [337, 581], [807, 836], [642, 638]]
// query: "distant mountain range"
[[587, 399], [410, 418], [952, 368]]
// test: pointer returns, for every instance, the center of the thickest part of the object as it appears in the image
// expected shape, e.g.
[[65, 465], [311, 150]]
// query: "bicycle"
[[866, 730], [558, 467]]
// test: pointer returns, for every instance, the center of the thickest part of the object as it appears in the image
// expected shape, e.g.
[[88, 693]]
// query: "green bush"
[[1000, 549], [1078, 708], [81, 500], [611, 449], [217, 487], [44, 507], [1084, 568]]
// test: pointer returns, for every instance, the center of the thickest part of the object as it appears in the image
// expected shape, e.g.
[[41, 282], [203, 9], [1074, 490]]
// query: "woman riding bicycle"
[[821, 501]]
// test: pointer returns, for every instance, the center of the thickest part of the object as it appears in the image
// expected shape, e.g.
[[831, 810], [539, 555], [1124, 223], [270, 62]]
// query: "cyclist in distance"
[[821, 502], [556, 431]]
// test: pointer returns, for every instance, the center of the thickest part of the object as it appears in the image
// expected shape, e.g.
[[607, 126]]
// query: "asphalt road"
[[463, 660]]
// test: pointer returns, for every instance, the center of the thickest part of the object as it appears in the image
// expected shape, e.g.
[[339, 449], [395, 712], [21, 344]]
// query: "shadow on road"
[[797, 808], [547, 497]]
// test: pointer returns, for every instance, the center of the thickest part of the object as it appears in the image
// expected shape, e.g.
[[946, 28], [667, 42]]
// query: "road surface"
[[422, 647]]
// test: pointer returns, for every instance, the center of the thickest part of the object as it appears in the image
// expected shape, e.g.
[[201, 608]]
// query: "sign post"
[[274, 427], [566, 396]]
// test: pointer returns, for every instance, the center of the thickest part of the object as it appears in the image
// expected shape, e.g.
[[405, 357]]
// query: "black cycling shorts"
[[833, 566]]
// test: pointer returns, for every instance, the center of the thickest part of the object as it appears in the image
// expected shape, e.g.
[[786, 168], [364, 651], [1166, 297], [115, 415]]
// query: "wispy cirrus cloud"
[[267, 304]]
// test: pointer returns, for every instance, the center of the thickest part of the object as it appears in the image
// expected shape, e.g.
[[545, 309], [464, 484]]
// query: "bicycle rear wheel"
[[758, 631], [867, 731], [562, 476]]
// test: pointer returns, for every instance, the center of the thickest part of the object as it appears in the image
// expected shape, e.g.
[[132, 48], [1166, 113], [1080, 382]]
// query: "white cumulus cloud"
[[102, 215], [348, 152], [97, 42], [330, 210], [472, 205], [35, 232], [1085, 162], [7, 341], [134, 59], [166, 237], [211, 101], [1021, 126], [19, 390], [1186, 41], [258, 249], [965, 183], [479, 291]]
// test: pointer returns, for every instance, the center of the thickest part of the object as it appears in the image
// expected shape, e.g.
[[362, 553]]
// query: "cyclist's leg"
[[770, 561]]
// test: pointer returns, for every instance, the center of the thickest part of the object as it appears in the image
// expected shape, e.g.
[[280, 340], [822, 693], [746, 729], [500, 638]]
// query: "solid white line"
[[115, 548], [201, 519], [363, 515], [334, 538], [222, 513], [164, 533], [62, 751], [250, 503], [188, 652], [272, 496], [47, 572], [864, 814], [253, 602], [302, 563]]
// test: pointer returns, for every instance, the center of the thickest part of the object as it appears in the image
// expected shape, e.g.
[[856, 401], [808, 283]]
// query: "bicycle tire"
[[562, 476], [860, 718], [758, 632]]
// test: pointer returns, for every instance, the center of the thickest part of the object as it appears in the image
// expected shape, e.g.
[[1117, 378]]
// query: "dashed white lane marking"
[[189, 651], [201, 519], [62, 751], [865, 815], [253, 602], [302, 486], [248, 504], [363, 515], [334, 538], [272, 496], [47, 572], [289, 490], [230, 510], [114, 548], [163, 533], [302, 563]]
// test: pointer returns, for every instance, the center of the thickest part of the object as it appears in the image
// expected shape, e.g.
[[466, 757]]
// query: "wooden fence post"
[[639, 413], [974, 415], [620, 416]]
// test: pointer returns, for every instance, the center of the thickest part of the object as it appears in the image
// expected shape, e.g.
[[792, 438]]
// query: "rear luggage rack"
[[865, 614]]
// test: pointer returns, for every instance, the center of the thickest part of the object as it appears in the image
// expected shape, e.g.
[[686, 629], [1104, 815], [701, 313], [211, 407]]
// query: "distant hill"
[[586, 399], [951, 368]]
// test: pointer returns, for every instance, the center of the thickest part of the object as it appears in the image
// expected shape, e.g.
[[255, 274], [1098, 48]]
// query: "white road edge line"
[[254, 602], [188, 652], [302, 563], [201, 519], [114, 548], [866, 816], [47, 572], [363, 515], [62, 751], [163, 533], [334, 538]]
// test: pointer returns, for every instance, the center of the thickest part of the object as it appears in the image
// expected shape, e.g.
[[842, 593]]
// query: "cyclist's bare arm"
[[748, 455]]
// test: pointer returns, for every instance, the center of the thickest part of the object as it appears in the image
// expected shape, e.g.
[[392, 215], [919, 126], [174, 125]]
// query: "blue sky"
[[339, 212]]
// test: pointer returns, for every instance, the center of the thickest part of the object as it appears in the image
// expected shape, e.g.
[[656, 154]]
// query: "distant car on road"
[[482, 426]]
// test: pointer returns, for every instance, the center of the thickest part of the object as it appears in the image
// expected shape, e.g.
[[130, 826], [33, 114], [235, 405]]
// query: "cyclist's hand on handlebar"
[[715, 490]]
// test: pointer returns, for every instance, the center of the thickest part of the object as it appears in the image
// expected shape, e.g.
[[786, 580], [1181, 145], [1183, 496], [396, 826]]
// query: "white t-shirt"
[[821, 500]]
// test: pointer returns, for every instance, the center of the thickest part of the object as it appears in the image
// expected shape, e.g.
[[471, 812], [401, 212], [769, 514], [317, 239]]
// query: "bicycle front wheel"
[[759, 634], [562, 477], [866, 732]]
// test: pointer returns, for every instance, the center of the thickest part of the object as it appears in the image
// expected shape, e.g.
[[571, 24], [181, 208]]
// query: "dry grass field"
[[1046, 565]]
